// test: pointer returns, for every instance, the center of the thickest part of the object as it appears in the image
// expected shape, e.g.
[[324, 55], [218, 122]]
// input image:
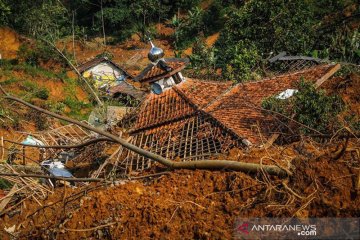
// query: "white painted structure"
[[104, 74], [166, 83]]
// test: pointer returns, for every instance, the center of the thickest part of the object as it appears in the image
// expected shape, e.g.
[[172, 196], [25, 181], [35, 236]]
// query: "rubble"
[[153, 179]]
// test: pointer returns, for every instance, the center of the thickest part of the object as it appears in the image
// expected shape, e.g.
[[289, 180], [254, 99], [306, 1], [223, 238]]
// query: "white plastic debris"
[[287, 93], [30, 140]]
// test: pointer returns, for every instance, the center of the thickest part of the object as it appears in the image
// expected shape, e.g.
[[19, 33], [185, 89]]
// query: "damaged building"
[[103, 72], [190, 119]]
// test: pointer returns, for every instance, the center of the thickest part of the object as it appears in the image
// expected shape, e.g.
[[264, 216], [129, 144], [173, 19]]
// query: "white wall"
[[104, 70]]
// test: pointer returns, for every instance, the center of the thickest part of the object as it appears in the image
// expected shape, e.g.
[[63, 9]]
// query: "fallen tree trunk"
[[201, 164]]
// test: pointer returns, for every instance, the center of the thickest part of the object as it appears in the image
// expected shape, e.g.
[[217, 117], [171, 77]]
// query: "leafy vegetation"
[[4, 184], [322, 28], [309, 106]]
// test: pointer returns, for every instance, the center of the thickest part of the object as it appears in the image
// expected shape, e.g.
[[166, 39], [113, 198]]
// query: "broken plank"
[[7, 199], [331, 72]]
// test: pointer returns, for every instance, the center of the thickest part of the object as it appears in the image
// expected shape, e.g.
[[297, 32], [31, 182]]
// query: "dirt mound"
[[9, 43], [192, 204]]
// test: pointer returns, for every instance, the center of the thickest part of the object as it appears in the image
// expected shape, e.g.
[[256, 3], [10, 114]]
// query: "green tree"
[[5, 11], [309, 106], [39, 17], [297, 27]]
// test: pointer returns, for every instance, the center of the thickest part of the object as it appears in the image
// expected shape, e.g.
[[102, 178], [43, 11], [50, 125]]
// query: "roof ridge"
[[199, 110], [219, 97], [290, 73], [188, 100], [209, 81]]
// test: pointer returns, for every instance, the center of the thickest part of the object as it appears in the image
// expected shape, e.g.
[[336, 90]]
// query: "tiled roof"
[[237, 108], [202, 93], [126, 88], [95, 61], [172, 104], [156, 72], [240, 109], [159, 109]]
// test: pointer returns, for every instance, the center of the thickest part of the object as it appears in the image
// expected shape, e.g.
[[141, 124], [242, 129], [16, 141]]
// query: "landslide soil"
[[188, 204]]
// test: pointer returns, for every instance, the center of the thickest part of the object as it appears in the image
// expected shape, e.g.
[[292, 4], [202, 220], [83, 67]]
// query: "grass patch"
[[78, 109], [11, 81]]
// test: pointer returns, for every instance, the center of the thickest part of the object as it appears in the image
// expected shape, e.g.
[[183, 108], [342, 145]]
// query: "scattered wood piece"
[[52, 177], [271, 140], [8, 198], [90, 229], [340, 152], [331, 72]]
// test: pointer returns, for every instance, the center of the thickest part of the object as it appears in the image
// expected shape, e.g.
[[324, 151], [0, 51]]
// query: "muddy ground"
[[197, 204]]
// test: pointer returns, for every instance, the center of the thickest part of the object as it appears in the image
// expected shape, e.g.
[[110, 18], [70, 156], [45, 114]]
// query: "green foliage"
[[10, 81], [8, 119], [42, 93], [5, 12], [77, 107], [309, 106], [4, 184], [240, 61], [202, 56], [36, 90], [353, 122], [29, 86], [197, 22], [38, 17], [106, 54], [307, 27], [41, 52], [56, 107], [188, 28]]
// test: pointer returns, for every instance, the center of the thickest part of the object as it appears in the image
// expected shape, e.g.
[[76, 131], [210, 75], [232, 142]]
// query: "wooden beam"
[[271, 140], [331, 72]]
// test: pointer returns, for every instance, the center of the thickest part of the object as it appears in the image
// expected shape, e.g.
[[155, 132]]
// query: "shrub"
[[42, 93], [238, 62], [29, 86], [309, 106], [4, 184], [40, 120]]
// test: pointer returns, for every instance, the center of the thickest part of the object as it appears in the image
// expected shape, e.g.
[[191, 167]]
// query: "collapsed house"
[[191, 119]]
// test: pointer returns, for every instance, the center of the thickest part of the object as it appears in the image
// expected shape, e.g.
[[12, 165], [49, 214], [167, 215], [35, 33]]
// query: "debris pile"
[[151, 174], [193, 204]]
